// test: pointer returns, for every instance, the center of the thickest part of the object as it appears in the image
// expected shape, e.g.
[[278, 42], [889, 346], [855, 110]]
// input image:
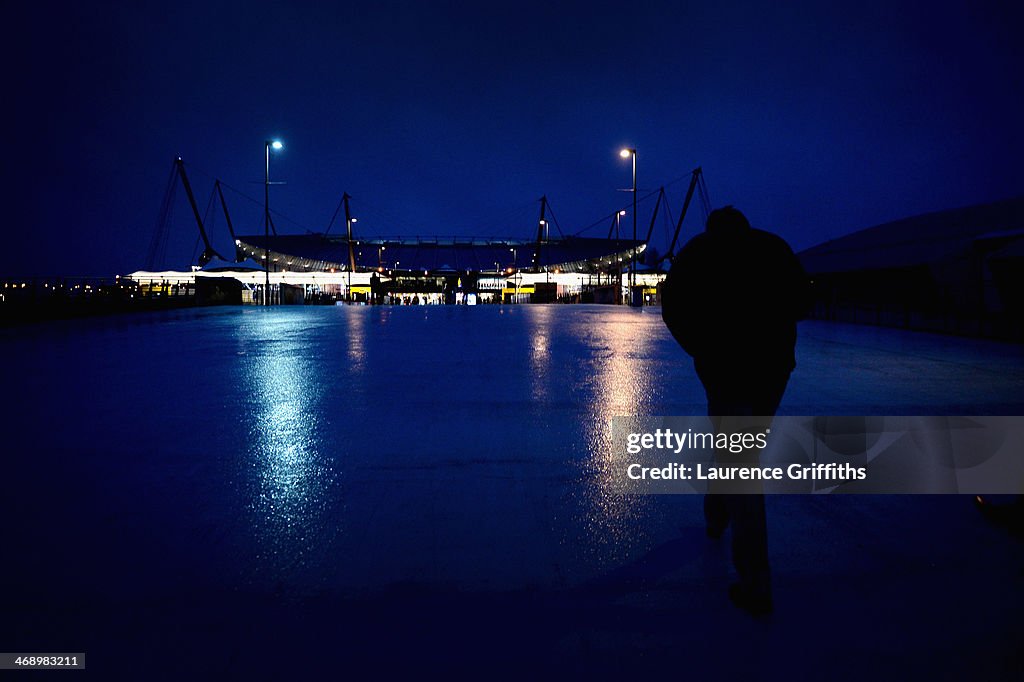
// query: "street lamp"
[[515, 278], [626, 153], [276, 144], [349, 222], [618, 217]]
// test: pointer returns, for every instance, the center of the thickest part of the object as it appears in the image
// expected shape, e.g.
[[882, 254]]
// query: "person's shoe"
[[755, 603]]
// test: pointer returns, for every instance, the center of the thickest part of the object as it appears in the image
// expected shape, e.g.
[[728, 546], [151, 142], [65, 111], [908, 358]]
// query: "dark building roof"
[[917, 241], [317, 251]]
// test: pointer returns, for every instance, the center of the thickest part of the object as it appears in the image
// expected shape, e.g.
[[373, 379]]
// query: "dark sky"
[[816, 119]]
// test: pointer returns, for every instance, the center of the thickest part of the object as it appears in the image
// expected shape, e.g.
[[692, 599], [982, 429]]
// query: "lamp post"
[[618, 220], [515, 278], [626, 153], [349, 222], [276, 144]]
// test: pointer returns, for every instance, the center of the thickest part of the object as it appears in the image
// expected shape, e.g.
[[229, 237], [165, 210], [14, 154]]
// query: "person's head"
[[726, 220]]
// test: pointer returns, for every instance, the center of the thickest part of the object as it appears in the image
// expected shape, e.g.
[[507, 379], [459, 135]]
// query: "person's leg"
[[768, 390], [746, 512], [719, 390], [716, 515], [750, 550]]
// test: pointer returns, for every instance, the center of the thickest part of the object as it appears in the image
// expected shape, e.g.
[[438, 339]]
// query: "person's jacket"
[[734, 297]]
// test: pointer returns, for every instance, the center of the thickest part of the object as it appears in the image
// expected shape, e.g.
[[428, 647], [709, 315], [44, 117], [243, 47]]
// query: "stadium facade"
[[454, 270], [317, 268]]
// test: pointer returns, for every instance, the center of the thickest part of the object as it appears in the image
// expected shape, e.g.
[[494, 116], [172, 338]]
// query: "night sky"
[[447, 118]]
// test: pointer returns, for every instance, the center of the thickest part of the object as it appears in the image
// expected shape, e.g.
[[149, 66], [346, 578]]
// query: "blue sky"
[[816, 119]]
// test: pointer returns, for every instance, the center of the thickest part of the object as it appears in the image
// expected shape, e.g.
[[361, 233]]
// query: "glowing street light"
[[515, 278], [630, 152], [277, 146], [618, 219]]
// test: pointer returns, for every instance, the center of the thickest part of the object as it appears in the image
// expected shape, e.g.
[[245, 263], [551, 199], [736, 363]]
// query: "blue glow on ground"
[[227, 470]]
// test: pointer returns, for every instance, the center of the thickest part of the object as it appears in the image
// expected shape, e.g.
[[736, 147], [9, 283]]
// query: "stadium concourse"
[[320, 268]]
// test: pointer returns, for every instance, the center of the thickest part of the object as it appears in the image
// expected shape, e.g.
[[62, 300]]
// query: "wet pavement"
[[243, 492]]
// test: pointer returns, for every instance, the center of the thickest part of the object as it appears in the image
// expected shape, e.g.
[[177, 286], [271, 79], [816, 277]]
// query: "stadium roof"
[[217, 264], [920, 240], [320, 252]]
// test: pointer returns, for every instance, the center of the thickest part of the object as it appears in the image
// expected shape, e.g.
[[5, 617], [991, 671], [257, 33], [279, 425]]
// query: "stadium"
[[274, 268]]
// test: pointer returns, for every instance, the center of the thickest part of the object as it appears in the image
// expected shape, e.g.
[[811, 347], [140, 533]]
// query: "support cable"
[[157, 242]]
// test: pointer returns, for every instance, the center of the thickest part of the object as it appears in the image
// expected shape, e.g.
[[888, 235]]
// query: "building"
[[958, 271], [453, 270], [317, 268]]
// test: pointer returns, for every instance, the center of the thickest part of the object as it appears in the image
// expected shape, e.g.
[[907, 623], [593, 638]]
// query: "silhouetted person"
[[732, 299]]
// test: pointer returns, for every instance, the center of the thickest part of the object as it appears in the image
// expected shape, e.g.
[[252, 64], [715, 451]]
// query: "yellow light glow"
[[625, 153]]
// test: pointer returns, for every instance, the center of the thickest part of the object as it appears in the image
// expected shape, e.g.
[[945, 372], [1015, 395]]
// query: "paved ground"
[[255, 493]]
